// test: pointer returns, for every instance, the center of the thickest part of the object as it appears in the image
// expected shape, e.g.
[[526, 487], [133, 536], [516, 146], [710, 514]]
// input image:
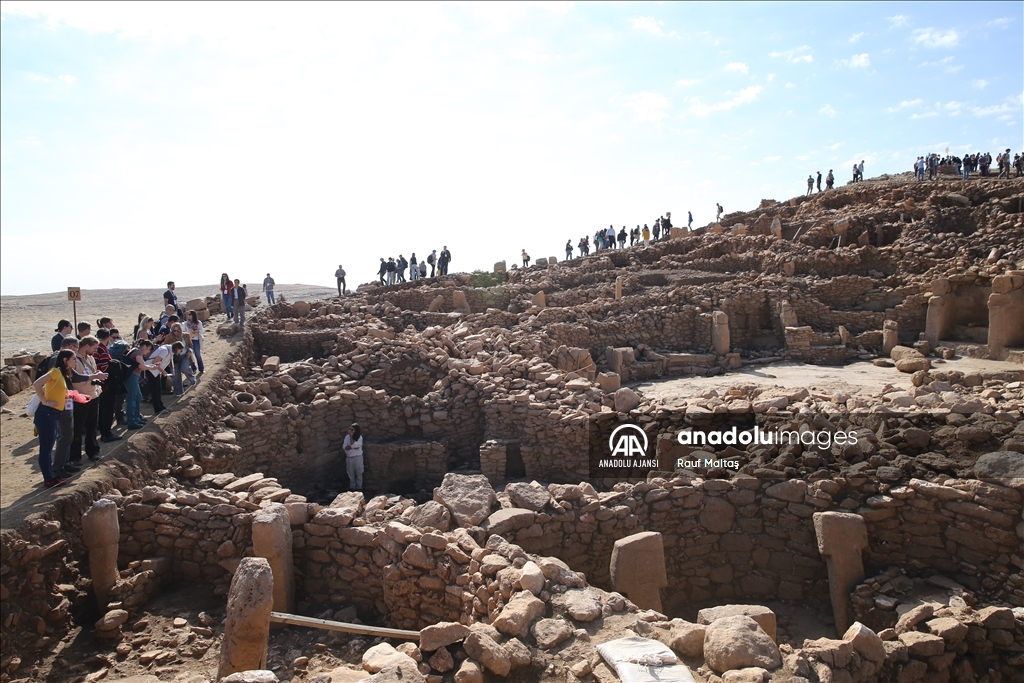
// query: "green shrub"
[[479, 278]]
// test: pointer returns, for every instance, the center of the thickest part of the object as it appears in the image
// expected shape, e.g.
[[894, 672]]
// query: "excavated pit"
[[743, 324]]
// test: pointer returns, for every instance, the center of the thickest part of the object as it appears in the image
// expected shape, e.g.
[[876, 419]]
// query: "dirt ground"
[[28, 322], [856, 378]]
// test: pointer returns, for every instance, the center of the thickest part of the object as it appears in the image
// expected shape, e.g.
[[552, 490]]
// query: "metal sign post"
[[74, 296]]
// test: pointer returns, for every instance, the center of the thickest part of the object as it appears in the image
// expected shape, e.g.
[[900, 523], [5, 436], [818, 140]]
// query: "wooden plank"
[[327, 625]]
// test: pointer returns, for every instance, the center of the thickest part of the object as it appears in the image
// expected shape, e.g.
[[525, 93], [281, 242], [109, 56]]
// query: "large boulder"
[[529, 496], [517, 615], [737, 642], [469, 497], [1003, 467], [764, 617]]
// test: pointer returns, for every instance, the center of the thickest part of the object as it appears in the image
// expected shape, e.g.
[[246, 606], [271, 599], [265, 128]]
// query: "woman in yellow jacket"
[[52, 390]]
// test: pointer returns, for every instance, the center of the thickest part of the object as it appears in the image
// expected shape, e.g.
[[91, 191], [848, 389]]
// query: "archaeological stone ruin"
[[489, 527]]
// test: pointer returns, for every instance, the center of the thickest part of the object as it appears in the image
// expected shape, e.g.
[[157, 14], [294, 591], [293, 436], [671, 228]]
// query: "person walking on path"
[[829, 180], [194, 330], [400, 268], [382, 272], [568, 250], [819, 181], [443, 260], [810, 185], [339, 274], [718, 216], [432, 260], [225, 293], [239, 295], [353, 447], [689, 220], [268, 288], [52, 390]]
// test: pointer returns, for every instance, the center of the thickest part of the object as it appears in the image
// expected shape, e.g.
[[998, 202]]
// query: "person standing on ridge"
[[829, 180], [819, 181], [443, 260], [810, 185], [526, 259], [568, 250], [432, 261], [689, 220], [718, 216], [414, 267], [268, 288], [382, 271]]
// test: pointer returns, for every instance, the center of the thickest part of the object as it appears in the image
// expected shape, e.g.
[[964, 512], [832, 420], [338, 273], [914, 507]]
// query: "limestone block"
[[890, 336], [247, 627], [625, 400], [459, 302], [468, 497], [737, 642], [100, 533], [539, 299], [720, 332], [436, 304], [441, 635], [841, 538], [272, 539], [638, 568], [500, 267], [609, 381], [541, 262], [764, 617], [519, 613], [787, 315]]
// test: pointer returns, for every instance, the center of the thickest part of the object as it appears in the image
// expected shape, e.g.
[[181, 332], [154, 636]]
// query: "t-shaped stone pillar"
[[272, 539], [638, 569], [841, 537], [100, 533], [247, 627]]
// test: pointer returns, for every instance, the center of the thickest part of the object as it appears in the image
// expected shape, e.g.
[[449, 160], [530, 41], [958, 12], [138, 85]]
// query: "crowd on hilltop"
[[392, 270], [97, 380], [612, 239], [979, 163]]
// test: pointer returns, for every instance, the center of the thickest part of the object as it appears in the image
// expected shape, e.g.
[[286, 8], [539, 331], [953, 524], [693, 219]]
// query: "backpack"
[[46, 365], [117, 372], [118, 348]]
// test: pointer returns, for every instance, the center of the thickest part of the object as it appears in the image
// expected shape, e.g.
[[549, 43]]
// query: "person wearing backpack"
[[238, 296], [443, 260], [432, 260], [108, 398]]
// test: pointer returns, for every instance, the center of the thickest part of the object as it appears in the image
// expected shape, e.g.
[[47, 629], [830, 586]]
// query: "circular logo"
[[624, 441]]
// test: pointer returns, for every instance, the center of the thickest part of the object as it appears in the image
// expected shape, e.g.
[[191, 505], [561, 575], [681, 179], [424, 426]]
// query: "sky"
[[148, 142]]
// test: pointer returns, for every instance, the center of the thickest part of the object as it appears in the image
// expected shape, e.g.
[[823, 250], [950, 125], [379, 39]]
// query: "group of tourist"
[[830, 181], [979, 163], [608, 239], [96, 380], [392, 270]]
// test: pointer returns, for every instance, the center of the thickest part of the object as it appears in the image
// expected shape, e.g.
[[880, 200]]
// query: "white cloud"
[[652, 26], [979, 83], [647, 106], [953, 68], [861, 61], [795, 55], [953, 105], [899, 20], [66, 78], [939, 62], [855, 37], [1001, 22], [932, 37], [738, 67], [827, 110], [906, 104], [992, 109], [790, 85], [923, 115], [772, 158], [835, 146], [745, 96], [684, 82]]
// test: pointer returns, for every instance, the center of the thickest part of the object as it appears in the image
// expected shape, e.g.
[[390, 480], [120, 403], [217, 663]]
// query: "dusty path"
[[28, 322], [856, 378]]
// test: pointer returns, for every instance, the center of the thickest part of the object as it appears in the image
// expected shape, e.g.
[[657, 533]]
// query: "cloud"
[[685, 82], [953, 105], [954, 68], [979, 83], [795, 55], [745, 96], [1001, 22], [855, 37], [652, 26], [66, 78], [827, 110], [772, 158], [932, 37], [898, 20], [647, 106], [861, 61], [738, 67], [790, 85], [923, 115], [906, 104], [939, 62], [770, 77], [835, 146]]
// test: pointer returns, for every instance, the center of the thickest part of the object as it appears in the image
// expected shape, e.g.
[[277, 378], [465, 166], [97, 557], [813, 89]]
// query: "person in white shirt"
[[159, 358], [194, 329], [353, 447]]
